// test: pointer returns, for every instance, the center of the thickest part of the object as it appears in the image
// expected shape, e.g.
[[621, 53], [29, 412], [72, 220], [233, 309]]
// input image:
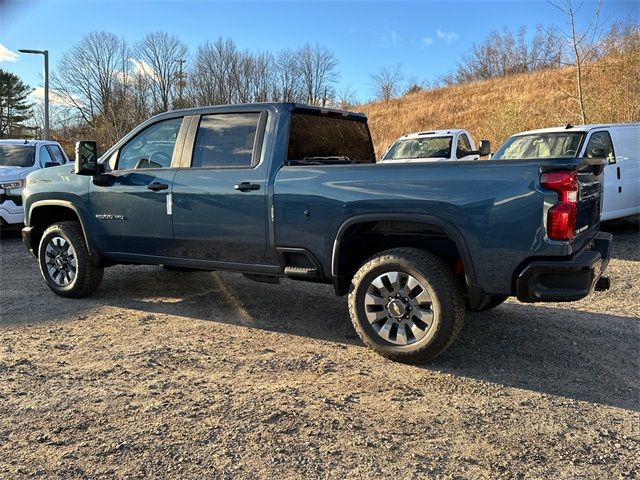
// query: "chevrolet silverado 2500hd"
[[286, 190]]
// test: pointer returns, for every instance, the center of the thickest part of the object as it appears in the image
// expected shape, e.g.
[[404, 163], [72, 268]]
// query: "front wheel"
[[65, 263], [406, 305]]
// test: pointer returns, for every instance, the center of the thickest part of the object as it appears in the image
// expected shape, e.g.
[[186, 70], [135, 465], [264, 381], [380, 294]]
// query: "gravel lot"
[[209, 375]]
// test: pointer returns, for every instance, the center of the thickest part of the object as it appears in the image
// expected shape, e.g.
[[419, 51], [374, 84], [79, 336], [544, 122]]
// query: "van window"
[[600, 146], [540, 145]]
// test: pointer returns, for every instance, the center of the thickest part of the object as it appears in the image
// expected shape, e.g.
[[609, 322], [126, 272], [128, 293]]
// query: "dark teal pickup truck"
[[285, 190]]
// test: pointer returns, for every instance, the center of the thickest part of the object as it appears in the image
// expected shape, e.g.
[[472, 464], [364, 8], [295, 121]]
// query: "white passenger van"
[[618, 143]]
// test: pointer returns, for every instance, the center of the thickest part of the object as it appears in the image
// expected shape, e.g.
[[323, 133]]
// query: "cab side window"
[[151, 148], [226, 140], [464, 146], [600, 146], [45, 156], [56, 153]]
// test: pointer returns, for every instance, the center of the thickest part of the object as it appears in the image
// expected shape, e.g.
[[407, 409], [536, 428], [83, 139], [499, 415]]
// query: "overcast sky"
[[426, 38]]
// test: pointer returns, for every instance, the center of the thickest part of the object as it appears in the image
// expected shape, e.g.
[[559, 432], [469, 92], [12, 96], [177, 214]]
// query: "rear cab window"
[[317, 138]]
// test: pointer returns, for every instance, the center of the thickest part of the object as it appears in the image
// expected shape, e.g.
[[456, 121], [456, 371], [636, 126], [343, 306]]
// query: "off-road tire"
[[87, 277], [440, 283]]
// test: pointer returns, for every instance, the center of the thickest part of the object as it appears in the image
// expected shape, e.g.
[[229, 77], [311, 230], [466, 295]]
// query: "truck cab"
[[435, 146]]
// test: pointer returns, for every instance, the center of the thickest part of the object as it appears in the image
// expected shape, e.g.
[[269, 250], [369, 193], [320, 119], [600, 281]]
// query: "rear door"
[[624, 171], [619, 190], [132, 207], [219, 201]]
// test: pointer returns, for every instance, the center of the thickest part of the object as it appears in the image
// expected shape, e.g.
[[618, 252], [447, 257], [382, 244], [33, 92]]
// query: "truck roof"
[[435, 133], [577, 128], [23, 141], [290, 106]]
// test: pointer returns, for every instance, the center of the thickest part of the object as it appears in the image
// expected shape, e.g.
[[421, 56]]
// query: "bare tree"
[[503, 54], [160, 55], [88, 73], [287, 81], [346, 98], [583, 46], [215, 78], [386, 82], [317, 67]]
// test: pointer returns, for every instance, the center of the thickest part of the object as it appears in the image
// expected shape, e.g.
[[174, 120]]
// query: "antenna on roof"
[[568, 126], [26, 141]]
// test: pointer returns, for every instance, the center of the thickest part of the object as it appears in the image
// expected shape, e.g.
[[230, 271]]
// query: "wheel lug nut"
[[397, 295], [406, 299]]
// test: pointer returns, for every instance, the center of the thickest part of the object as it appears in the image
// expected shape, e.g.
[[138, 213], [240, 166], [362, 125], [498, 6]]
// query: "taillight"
[[561, 219]]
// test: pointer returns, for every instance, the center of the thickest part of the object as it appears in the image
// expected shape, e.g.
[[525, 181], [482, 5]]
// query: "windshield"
[[431, 147], [540, 145], [17, 155]]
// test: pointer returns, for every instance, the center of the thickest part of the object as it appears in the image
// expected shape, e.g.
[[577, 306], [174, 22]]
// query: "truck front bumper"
[[566, 280], [26, 239]]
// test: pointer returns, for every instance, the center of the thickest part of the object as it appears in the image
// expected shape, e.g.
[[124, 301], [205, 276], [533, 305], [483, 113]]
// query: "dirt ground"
[[209, 375]]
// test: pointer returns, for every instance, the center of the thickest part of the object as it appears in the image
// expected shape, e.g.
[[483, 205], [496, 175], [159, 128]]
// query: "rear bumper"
[[566, 280]]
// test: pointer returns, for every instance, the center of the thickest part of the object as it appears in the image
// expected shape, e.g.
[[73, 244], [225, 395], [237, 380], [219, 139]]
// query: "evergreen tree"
[[14, 106]]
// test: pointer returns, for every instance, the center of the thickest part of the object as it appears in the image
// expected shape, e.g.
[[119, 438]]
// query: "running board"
[[301, 272]]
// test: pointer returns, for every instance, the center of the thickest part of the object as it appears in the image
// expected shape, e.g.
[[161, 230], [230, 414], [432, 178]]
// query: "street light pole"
[[45, 53]]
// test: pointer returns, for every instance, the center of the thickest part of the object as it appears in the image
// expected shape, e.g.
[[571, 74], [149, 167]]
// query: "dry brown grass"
[[496, 109]]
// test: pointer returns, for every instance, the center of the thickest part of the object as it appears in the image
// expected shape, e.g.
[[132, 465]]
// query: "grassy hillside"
[[495, 109]]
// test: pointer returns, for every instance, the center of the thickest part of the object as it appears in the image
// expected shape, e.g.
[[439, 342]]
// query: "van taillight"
[[561, 219]]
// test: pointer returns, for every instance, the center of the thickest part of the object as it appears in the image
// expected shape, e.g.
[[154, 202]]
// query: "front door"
[[219, 203], [132, 205]]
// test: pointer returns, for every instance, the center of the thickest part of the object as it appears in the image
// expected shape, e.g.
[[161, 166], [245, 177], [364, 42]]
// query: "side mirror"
[[598, 152], [485, 148], [86, 158]]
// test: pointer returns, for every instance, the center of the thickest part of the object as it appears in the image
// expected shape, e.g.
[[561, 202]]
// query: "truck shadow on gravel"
[[559, 351], [580, 355], [553, 350]]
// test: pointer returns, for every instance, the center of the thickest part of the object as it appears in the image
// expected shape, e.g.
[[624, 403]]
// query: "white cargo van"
[[618, 143]]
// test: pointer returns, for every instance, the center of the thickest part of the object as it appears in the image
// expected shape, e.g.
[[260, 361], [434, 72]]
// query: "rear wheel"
[[406, 305], [65, 263]]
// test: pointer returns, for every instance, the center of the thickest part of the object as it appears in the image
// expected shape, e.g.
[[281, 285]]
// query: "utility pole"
[[46, 86], [180, 80]]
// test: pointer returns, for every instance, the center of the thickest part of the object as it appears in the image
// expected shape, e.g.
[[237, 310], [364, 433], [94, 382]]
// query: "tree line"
[[103, 86], [112, 86]]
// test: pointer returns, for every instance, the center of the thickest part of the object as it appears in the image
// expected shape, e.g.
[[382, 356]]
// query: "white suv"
[[18, 158]]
